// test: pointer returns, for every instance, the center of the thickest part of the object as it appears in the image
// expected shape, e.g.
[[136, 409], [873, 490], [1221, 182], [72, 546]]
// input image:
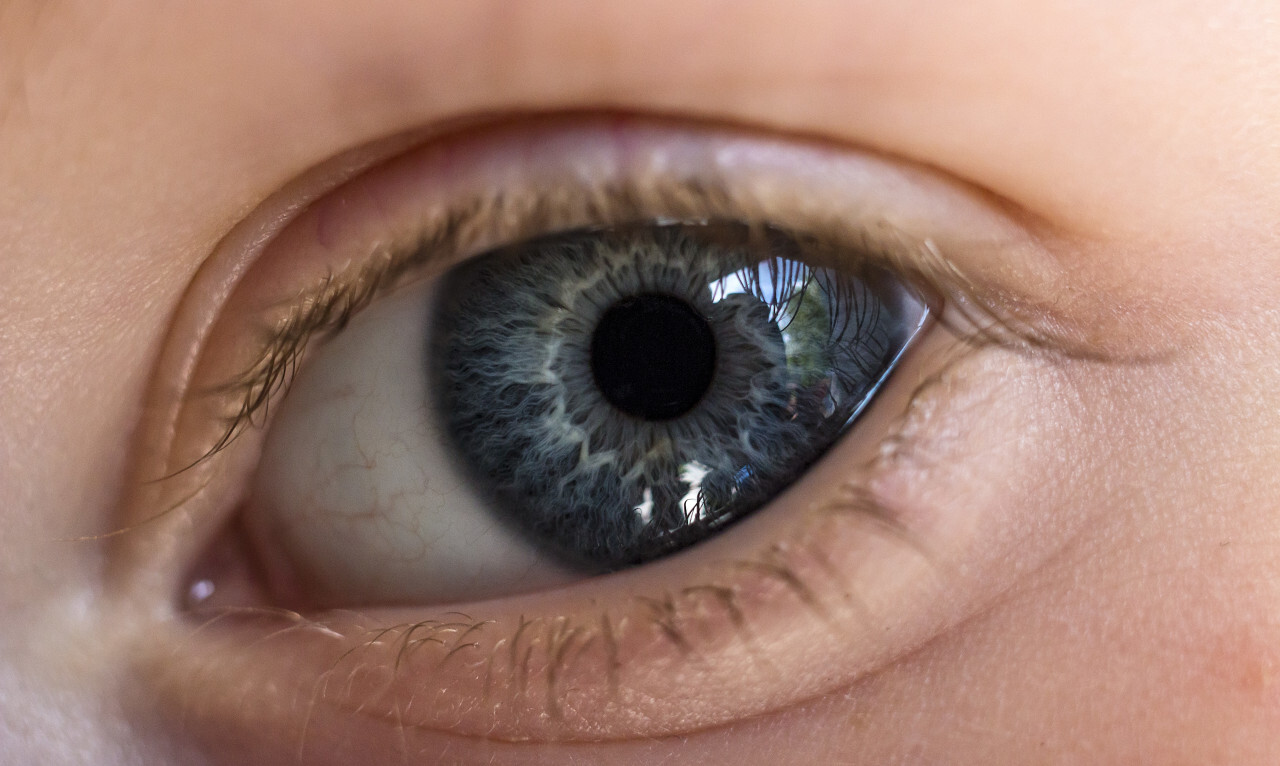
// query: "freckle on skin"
[[1249, 666]]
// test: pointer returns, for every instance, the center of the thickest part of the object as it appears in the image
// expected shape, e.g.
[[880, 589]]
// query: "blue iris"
[[622, 393]]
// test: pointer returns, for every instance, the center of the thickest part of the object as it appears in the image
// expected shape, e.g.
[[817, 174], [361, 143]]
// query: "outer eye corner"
[[619, 342], [380, 490]]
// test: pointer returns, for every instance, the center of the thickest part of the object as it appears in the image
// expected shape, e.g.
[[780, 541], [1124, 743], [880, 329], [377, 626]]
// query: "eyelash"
[[326, 308], [550, 645]]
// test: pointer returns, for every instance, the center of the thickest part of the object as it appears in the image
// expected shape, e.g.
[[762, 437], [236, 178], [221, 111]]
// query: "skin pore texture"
[[1102, 576]]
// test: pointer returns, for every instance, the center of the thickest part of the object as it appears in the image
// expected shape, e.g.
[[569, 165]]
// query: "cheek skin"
[[1141, 559], [1151, 639], [1152, 636]]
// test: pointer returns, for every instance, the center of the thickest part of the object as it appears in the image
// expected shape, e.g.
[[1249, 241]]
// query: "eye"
[[515, 433], [573, 404]]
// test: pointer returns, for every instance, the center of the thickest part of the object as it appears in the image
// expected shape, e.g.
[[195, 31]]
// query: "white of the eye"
[[357, 489]]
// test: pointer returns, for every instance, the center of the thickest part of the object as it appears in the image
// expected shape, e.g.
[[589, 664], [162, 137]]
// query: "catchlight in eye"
[[622, 394], [411, 429], [578, 403]]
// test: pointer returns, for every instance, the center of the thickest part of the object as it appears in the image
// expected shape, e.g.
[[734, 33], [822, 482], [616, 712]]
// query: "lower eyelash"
[[404, 673], [383, 666], [540, 652]]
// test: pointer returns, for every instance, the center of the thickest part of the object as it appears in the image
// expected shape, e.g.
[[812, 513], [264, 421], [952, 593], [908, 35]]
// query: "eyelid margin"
[[194, 513], [352, 229], [495, 216]]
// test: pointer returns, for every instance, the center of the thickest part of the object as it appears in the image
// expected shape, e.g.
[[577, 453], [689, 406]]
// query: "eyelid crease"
[[498, 217], [412, 658]]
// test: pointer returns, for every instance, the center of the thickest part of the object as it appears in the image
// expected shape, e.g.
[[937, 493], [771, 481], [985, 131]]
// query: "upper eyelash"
[[325, 308], [327, 305]]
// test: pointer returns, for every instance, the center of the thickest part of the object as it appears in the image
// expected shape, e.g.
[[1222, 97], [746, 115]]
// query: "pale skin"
[[1129, 618]]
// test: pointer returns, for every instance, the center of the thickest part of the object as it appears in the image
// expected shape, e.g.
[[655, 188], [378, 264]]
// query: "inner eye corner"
[[787, 372], [383, 508], [755, 339]]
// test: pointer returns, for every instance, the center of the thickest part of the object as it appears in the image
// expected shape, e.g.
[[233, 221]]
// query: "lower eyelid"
[[760, 601], [568, 672], [807, 596]]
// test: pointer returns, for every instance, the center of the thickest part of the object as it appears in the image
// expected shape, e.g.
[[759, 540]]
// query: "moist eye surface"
[[620, 394]]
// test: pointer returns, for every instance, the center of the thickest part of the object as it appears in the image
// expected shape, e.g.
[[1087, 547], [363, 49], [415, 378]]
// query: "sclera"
[[357, 494], [806, 596]]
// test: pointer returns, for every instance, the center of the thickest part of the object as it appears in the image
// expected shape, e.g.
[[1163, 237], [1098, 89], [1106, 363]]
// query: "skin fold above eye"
[[1137, 137], [429, 207], [911, 523]]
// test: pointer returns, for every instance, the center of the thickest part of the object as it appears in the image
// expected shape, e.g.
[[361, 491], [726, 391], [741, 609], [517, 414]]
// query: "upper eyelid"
[[323, 305], [326, 307], [492, 217]]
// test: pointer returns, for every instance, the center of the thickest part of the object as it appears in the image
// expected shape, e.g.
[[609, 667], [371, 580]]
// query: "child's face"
[[1077, 556]]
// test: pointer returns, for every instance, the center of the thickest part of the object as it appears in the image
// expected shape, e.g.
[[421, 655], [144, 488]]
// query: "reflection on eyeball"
[[570, 405]]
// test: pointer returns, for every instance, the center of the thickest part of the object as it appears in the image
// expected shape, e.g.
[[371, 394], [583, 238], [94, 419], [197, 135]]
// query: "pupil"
[[653, 356]]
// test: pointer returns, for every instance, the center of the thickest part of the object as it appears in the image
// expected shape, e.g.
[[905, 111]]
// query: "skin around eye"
[[135, 135], [903, 530], [426, 209]]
